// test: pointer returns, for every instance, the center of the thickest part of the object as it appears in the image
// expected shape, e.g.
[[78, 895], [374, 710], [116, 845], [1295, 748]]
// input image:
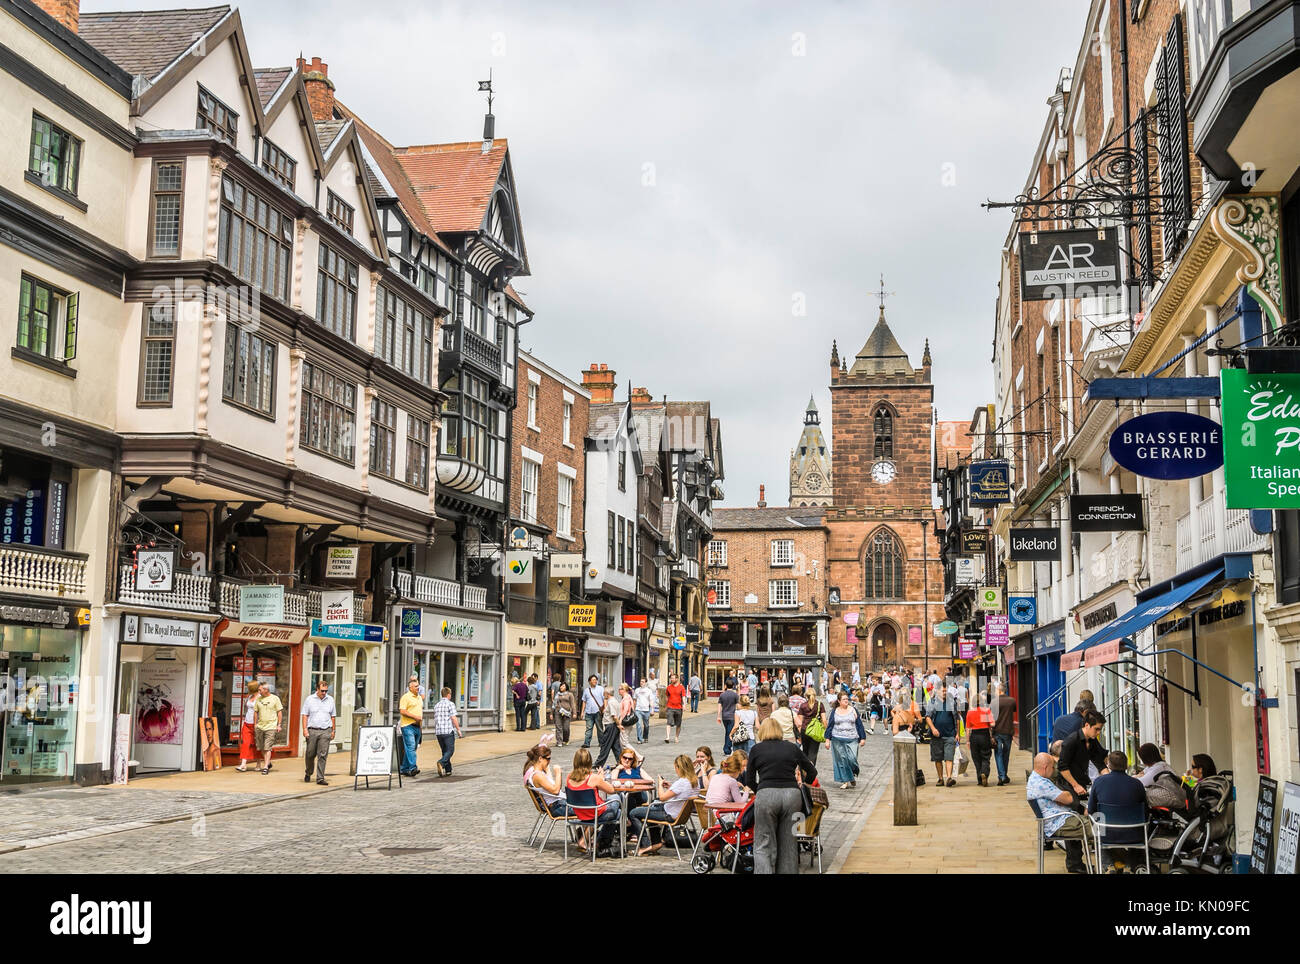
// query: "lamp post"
[[925, 598]]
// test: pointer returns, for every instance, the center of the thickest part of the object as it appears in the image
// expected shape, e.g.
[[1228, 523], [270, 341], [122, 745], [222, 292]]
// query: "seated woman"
[[545, 779], [585, 778], [672, 797], [1163, 788], [1202, 767], [725, 787], [705, 768], [629, 768]]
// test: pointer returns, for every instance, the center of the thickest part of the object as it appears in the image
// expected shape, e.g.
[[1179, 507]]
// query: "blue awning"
[[1145, 613]]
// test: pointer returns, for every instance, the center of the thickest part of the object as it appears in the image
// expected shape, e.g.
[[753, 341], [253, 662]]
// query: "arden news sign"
[[1105, 513], [1036, 545], [1168, 445], [1068, 264], [1261, 439]]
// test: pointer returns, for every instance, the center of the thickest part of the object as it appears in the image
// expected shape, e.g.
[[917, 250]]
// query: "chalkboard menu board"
[[1261, 840]]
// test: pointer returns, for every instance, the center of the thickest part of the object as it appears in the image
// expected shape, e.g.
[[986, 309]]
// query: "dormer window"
[[339, 211], [278, 164], [216, 117]]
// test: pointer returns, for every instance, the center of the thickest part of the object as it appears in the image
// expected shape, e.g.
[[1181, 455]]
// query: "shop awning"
[[1104, 645]]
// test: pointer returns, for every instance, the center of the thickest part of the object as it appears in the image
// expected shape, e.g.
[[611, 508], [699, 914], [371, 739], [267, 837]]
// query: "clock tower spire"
[[810, 463]]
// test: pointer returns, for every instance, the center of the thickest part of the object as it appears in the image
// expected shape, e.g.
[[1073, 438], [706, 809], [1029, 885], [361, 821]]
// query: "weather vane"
[[487, 86], [489, 122], [883, 294]]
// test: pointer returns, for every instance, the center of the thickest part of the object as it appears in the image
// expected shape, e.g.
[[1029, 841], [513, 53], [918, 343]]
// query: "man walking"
[[1004, 729], [555, 688], [676, 695], [318, 723], [534, 703], [646, 702], [727, 713], [270, 717], [753, 684], [446, 727], [593, 704], [610, 719], [411, 712], [695, 687], [779, 685], [943, 728]]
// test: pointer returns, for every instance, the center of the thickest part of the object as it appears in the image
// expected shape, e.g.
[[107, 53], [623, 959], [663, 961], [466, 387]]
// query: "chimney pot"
[[320, 89], [762, 497]]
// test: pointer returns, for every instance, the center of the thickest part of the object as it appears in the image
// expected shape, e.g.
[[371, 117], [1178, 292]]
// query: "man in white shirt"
[[695, 687], [779, 684], [593, 704], [318, 724], [647, 702]]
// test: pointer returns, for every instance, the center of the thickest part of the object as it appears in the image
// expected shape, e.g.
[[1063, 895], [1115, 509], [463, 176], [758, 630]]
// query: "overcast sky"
[[690, 173]]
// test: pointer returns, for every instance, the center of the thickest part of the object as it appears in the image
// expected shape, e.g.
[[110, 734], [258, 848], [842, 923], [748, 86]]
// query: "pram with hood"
[[729, 840], [1202, 839]]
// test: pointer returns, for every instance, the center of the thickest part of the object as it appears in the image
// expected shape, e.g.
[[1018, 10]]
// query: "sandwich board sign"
[[376, 748]]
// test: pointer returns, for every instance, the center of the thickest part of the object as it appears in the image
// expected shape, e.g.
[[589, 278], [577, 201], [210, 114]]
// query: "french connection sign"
[[1261, 438], [1068, 264], [1168, 445]]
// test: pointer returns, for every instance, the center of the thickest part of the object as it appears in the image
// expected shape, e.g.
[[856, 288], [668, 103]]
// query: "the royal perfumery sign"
[[1261, 439]]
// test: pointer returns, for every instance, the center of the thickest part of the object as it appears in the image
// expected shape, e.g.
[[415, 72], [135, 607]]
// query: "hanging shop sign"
[[1023, 610], [410, 626], [636, 621], [991, 599], [1106, 513], [341, 562], [997, 630], [566, 565], [164, 632], [347, 632], [336, 607], [990, 482], [851, 617], [963, 571], [1036, 545], [974, 542], [261, 604], [519, 567], [1068, 264], [967, 650], [154, 569], [1168, 445], [519, 537], [1261, 439], [582, 615], [1261, 838], [945, 628]]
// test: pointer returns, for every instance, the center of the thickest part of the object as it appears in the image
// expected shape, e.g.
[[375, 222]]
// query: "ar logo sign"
[[1080, 256]]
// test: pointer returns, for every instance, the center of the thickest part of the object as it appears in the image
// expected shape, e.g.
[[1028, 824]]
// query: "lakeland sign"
[[1261, 438]]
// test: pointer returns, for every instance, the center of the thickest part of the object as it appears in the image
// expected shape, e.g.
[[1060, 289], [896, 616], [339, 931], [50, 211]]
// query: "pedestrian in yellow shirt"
[[412, 711], [270, 716]]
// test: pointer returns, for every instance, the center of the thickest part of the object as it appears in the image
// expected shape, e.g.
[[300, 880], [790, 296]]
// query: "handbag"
[[742, 732], [814, 730], [629, 720], [806, 792], [963, 760]]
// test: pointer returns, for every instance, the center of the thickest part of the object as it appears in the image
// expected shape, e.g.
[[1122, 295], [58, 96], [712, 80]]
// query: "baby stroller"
[[731, 839], [1202, 839]]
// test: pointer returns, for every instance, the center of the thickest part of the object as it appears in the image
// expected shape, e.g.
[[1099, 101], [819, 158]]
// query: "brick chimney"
[[762, 497], [641, 396], [320, 89], [66, 12], [599, 380]]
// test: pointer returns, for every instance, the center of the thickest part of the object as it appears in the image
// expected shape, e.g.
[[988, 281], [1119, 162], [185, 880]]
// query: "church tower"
[[810, 463], [882, 551]]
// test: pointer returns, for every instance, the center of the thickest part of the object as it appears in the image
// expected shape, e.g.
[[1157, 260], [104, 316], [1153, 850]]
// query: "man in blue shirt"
[[1057, 810], [941, 717], [1123, 799]]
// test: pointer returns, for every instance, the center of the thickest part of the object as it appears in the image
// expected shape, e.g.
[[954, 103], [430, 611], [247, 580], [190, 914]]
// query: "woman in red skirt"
[[246, 748]]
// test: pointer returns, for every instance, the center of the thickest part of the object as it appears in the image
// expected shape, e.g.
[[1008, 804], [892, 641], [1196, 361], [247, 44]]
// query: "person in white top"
[[671, 798], [246, 741], [546, 779], [646, 699]]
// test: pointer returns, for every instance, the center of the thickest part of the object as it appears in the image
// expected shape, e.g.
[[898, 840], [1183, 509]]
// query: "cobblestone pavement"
[[475, 821]]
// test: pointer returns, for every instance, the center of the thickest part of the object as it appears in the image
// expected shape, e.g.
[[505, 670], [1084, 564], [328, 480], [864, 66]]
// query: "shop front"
[[658, 649], [717, 671], [162, 663], [40, 662], [267, 652], [603, 657], [565, 658], [1023, 685], [350, 658], [526, 655], [450, 648], [1053, 696], [1111, 684]]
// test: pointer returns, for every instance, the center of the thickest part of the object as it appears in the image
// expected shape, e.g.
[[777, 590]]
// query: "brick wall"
[[749, 568], [548, 439]]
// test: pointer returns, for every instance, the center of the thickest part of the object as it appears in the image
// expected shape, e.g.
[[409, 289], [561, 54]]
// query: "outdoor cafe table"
[[623, 788]]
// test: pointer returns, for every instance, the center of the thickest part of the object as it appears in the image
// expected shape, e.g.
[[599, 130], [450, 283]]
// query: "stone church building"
[[882, 551], [810, 464]]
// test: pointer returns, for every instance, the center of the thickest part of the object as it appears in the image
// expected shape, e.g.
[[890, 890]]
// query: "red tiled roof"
[[454, 181], [952, 442]]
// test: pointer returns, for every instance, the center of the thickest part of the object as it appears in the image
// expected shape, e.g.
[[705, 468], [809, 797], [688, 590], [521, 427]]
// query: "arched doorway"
[[884, 646]]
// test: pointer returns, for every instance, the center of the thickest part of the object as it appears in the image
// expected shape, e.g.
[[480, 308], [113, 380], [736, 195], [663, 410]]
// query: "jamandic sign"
[[1168, 445], [1261, 438], [1068, 264]]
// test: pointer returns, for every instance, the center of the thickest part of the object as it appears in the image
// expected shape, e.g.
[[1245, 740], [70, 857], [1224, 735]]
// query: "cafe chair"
[[587, 799], [549, 820], [810, 833], [1115, 818], [1060, 841], [671, 827]]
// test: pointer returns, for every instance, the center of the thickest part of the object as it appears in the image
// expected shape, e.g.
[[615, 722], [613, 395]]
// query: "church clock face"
[[884, 471], [814, 483]]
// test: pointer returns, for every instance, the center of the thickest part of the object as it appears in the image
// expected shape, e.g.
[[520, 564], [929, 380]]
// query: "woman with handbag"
[[777, 770], [627, 721], [846, 734], [812, 724], [248, 729], [745, 726], [566, 706]]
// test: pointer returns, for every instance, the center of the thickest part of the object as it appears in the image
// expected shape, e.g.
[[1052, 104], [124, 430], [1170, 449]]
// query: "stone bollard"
[[904, 780], [360, 718]]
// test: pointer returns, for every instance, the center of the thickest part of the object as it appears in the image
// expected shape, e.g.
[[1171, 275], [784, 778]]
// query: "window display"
[[38, 705]]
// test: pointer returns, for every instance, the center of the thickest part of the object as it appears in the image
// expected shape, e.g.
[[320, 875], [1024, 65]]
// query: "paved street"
[[476, 820]]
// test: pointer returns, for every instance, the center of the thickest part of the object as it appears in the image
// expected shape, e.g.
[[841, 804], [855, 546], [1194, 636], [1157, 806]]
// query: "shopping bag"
[[962, 758]]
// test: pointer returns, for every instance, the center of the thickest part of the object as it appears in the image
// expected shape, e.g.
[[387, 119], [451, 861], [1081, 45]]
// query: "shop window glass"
[[39, 670], [233, 667], [359, 681]]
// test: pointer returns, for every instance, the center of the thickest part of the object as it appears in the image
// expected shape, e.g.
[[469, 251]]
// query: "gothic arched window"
[[884, 425], [884, 566]]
